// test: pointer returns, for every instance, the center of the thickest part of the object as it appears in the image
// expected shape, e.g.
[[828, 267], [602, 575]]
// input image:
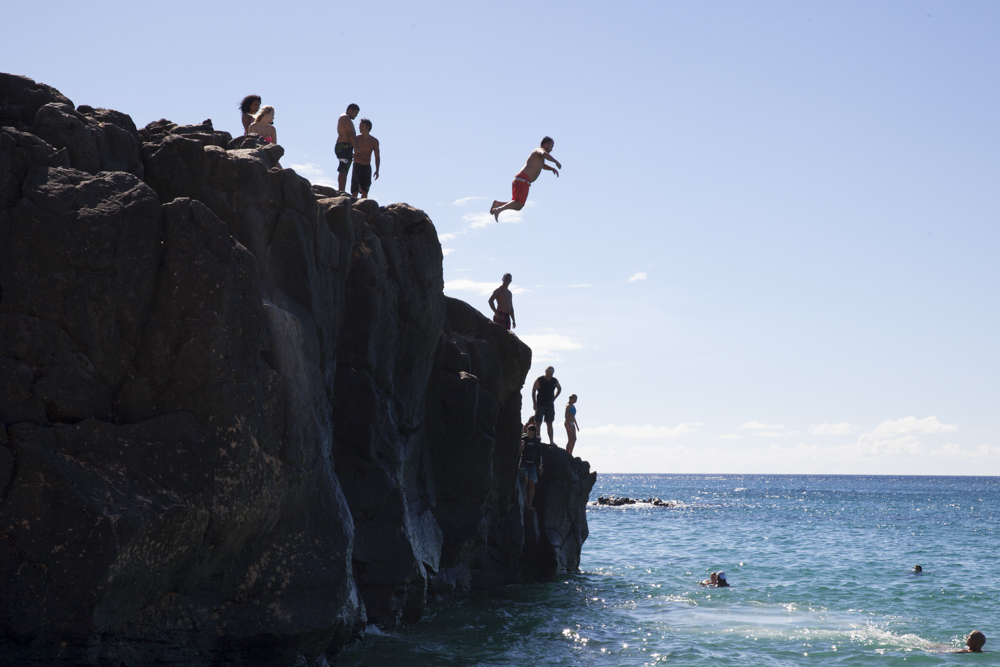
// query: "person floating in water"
[[361, 177], [722, 580], [917, 569], [571, 426], [974, 642], [522, 182], [531, 461], [262, 125], [347, 143], [502, 304], [249, 108], [544, 393], [713, 580]]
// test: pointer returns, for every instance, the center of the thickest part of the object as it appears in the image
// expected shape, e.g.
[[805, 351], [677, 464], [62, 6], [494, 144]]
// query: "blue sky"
[[773, 246]]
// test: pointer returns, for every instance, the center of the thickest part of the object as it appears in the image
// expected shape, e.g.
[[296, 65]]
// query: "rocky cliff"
[[239, 420]]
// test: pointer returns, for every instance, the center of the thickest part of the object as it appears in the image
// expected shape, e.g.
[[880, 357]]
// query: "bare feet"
[[493, 210]]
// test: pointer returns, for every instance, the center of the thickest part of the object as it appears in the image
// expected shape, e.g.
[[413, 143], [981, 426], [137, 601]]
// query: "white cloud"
[[444, 238], [483, 288], [900, 437], [637, 276], [314, 174], [843, 428], [646, 432], [755, 425], [730, 436], [478, 220], [465, 200], [636, 455], [544, 346], [912, 425], [447, 251]]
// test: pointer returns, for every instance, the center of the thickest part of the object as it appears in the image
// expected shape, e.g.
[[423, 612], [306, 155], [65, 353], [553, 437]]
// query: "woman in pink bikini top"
[[262, 126]]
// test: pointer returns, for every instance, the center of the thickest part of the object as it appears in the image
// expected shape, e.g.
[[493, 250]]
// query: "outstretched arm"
[[547, 156], [552, 169]]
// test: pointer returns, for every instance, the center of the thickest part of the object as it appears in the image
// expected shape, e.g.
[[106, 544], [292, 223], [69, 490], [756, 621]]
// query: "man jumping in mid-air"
[[532, 168]]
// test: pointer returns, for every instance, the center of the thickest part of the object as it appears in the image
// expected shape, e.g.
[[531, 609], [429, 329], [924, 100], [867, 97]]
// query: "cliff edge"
[[239, 419]]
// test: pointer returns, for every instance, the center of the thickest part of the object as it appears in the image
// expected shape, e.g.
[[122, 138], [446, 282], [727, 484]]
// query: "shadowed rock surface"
[[239, 420]]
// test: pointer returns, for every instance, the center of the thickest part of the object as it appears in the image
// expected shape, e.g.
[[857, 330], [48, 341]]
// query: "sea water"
[[820, 567]]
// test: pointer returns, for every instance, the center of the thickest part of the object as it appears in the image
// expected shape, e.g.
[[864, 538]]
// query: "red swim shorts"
[[502, 318], [519, 188]]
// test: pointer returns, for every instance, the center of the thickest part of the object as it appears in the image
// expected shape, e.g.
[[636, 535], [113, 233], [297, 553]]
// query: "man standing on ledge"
[[522, 182], [502, 304], [543, 399], [361, 177], [347, 143]]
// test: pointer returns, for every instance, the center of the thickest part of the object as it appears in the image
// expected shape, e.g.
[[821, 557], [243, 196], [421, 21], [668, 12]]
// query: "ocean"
[[820, 567]]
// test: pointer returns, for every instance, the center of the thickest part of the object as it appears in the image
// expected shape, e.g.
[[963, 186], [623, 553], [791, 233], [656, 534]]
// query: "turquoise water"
[[819, 567]]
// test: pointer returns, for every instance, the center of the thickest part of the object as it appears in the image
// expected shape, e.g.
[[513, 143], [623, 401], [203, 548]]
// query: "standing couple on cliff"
[[358, 149]]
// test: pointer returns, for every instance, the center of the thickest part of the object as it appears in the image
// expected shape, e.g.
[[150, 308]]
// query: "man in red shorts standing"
[[522, 182]]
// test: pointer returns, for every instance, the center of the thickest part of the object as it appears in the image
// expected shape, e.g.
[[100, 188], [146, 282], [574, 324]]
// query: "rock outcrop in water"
[[239, 420]]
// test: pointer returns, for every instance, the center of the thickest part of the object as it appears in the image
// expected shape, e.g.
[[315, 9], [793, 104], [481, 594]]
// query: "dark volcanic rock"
[[239, 420]]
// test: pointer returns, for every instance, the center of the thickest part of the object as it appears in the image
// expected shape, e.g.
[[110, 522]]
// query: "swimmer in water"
[[722, 580], [713, 580], [917, 569], [974, 642]]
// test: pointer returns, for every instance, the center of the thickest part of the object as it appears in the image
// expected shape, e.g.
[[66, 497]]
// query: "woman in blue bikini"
[[571, 426]]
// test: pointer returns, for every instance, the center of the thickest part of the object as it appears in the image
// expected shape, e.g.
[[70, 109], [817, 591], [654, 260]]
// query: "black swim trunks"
[[361, 177], [345, 153]]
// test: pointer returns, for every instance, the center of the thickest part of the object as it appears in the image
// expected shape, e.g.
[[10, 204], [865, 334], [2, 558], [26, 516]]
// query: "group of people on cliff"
[[543, 398], [350, 147]]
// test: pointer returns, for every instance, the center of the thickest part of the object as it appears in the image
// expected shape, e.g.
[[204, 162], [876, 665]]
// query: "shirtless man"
[[347, 143], [502, 304], [361, 177], [532, 168]]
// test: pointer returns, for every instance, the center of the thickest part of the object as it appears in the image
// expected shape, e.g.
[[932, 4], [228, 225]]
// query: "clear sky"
[[775, 243]]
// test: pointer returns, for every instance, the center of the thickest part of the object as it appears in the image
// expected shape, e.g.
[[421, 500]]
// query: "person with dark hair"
[[347, 143], [543, 399], [531, 461], [502, 304], [974, 642], [249, 107], [522, 182], [262, 125], [361, 177]]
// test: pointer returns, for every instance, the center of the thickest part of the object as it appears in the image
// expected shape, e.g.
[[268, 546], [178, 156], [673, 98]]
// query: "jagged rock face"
[[238, 418]]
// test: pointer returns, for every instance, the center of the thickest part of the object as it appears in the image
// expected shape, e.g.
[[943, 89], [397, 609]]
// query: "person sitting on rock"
[[262, 125], [531, 461], [544, 393], [571, 426], [347, 143], [502, 304], [361, 177], [522, 182], [249, 107], [713, 580]]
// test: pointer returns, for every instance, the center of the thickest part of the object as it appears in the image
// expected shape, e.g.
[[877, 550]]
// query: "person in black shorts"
[[361, 177], [347, 142], [543, 399], [531, 461]]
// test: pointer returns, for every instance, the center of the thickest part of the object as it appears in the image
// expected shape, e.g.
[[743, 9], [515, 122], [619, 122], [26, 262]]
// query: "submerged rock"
[[618, 501], [239, 420]]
